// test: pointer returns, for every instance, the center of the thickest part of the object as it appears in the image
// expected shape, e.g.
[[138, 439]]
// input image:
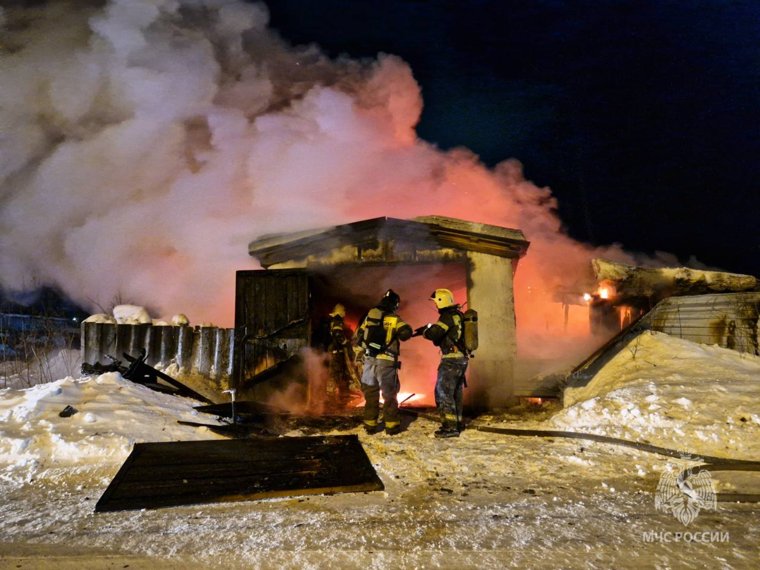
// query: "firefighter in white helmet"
[[448, 335]]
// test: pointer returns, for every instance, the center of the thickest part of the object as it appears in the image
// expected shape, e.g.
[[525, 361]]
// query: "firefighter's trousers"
[[380, 375], [448, 391]]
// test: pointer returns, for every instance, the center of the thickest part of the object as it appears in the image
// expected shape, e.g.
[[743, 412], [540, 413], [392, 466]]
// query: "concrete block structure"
[[355, 263]]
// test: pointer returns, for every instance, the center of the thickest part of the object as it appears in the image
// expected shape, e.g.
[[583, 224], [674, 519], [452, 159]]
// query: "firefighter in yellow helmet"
[[339, 341], [448, 335], [379, 335]]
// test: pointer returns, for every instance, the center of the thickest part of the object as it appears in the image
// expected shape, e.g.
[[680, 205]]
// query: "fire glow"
[[408, 398], [605, 292]]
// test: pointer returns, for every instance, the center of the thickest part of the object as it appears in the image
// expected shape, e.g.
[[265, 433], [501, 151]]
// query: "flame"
[[604, 291], [607, 290]]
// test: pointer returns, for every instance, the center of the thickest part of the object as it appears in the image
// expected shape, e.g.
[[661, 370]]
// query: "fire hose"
[[711, 462]]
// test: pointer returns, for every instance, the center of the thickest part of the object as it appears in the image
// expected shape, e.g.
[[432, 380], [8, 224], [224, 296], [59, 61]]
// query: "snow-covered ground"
[[480, 501], [675, 393]]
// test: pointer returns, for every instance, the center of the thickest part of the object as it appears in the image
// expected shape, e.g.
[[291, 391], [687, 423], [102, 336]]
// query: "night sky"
[[641, 116]]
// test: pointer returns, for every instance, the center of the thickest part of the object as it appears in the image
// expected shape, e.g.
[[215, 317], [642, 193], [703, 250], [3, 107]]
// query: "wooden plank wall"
[[729, 320], [272, 311]]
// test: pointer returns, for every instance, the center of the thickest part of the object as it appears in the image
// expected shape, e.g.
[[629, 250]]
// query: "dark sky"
[[642, 116]]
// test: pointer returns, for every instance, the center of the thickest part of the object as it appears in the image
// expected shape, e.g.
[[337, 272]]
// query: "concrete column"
[[490, 293]]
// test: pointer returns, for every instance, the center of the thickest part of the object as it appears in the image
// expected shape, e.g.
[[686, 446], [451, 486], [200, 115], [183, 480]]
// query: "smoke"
[[145, 143]]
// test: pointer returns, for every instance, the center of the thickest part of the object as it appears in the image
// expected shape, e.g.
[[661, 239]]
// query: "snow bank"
[[672, 392], [111, 415]]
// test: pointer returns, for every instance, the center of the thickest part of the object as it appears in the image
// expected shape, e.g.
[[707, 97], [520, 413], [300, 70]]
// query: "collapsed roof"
[[632, 282]]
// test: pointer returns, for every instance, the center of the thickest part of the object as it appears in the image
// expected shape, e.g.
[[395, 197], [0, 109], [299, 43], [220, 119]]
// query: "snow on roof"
[[631, 281]]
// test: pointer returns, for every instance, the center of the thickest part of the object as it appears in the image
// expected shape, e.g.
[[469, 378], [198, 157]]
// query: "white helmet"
[[442, 298]]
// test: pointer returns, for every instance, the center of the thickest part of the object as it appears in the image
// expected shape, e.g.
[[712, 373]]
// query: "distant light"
[[587, 297], [604, 293], [75, 319]]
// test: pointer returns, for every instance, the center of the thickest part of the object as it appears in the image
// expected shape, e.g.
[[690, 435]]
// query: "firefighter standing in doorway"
[[379, 335], [339, 342], [448, 335]]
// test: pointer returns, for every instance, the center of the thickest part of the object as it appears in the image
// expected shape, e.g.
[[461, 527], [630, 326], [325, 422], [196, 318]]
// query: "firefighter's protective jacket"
[[338, 334], [395, 330], [447, 332]]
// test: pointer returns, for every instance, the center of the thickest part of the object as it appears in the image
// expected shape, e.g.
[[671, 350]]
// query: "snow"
[[136, 315], [131, 315], [668, 391], [100, 318], [480, 501], [180, 320], [112, 415], [648, 281]]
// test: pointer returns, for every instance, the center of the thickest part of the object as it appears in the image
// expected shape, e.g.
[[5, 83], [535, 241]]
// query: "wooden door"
[[272, 320]]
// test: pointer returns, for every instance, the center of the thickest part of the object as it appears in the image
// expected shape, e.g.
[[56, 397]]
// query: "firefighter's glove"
[[421, 330]]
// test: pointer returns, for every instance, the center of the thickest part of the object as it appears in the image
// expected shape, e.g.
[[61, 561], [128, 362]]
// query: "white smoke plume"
[[145, 143]]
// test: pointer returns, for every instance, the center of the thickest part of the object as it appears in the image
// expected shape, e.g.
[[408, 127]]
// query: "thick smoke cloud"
[[145, 143]]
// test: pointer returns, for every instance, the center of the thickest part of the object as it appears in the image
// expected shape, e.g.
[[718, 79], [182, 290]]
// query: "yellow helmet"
[[338, 310], [442, 298]]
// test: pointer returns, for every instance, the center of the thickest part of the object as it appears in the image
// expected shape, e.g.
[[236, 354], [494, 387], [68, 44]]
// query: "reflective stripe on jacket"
[[447, 332], [395, 330]]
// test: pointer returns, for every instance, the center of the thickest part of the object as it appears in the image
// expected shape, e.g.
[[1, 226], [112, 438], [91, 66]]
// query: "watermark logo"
[[684, 492], [704, 537]]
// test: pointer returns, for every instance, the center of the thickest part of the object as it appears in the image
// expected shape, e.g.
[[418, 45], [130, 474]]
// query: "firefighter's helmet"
[[338, 311], [390, 300], [442, 298]]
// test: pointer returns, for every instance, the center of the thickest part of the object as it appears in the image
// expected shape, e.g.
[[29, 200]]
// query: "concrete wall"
[[490, 292], [200, 358]]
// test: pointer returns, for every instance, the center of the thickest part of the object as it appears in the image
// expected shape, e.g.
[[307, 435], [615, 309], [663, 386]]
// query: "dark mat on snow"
[[193, 472]]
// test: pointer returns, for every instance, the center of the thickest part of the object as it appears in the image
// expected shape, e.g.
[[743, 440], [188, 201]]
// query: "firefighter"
[[379, 335], [338, 343], [448, 335]]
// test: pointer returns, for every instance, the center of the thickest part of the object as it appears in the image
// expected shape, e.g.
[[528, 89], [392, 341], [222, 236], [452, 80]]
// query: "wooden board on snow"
[[170, 474]]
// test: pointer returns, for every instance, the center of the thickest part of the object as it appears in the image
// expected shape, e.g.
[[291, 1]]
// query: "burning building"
[[707, 307], [277, 308], [306, 273], [625, 292]]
